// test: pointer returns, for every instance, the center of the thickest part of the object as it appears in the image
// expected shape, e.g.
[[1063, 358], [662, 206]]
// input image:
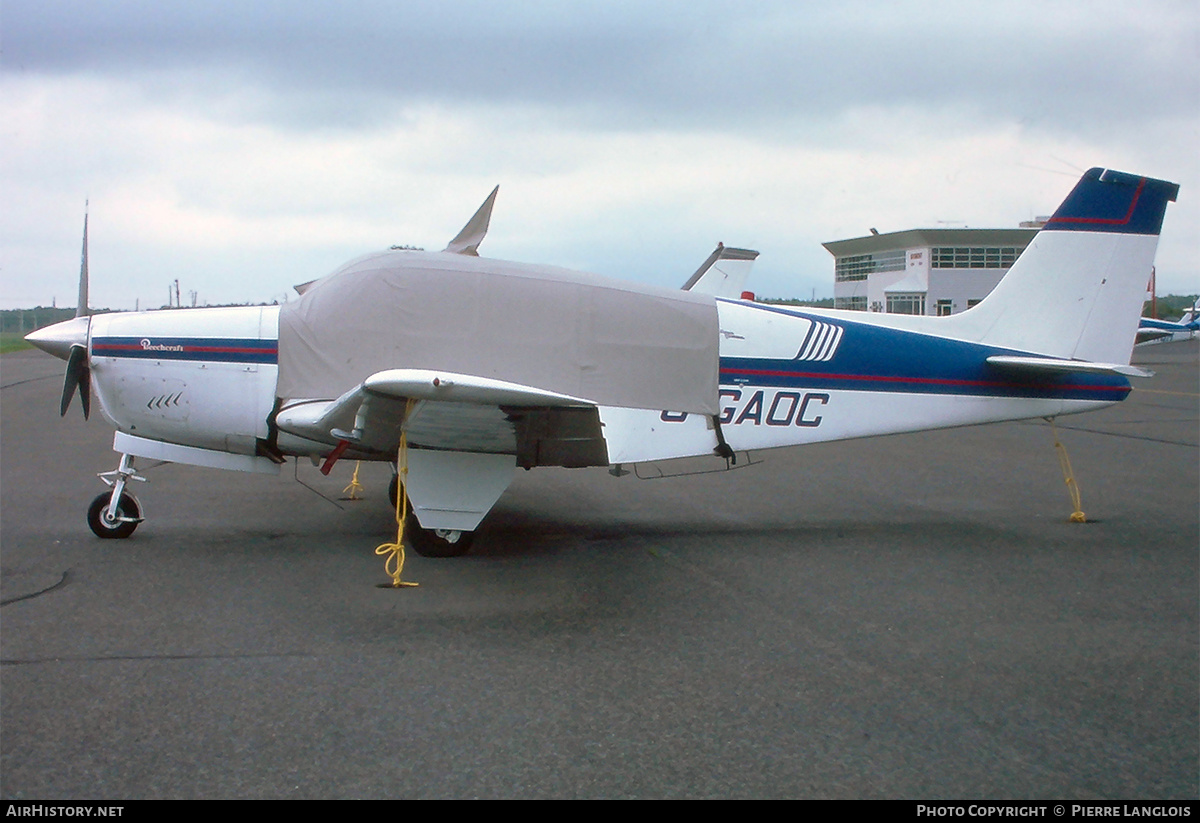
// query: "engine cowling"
[[196, 377]]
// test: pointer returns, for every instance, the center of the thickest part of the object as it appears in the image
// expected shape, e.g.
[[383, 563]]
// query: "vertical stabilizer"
[[724, 273], [1077, 290]]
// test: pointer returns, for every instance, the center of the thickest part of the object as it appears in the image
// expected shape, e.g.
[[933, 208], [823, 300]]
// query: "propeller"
[[69, 340], [78, 374]]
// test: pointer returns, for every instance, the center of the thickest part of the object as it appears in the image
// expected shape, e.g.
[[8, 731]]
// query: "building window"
[[906, 303], [973, 303], [861, 265], [943, 308], [851, 303], [977, 257]]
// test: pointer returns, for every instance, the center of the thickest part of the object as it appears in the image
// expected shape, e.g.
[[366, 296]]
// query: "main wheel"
[[429, 543], [127, 506]]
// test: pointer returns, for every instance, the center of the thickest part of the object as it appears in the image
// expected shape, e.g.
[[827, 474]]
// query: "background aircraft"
[[461, 369], [1151, 329]]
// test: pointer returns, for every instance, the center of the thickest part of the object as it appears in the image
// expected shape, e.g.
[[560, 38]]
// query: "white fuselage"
[[544, 367], [203, 378], [206, 379], [791, 378]]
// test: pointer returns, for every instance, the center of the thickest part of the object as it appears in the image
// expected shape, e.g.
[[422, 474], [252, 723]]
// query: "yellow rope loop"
[[355, 487], [1069, 476], [393, 565]]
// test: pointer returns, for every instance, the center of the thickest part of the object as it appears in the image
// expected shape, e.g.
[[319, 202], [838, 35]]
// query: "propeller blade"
[[85, 390], [78, 374], [81, 309]]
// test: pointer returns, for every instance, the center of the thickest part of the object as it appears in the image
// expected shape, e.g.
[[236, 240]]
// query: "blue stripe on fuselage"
[[881, 359], [207, 349]]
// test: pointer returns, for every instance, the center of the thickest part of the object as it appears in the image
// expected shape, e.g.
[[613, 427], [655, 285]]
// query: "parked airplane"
[[1152, 330], [485, 366]]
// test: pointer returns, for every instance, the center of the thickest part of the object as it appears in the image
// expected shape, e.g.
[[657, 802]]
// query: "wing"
[[454, 412], [466, 435]]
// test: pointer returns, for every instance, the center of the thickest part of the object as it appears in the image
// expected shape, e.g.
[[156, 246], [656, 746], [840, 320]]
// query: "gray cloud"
[[708, 65], [629, 137]]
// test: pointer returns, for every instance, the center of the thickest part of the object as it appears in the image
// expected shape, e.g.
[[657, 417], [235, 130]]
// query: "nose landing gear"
[[116, 514]]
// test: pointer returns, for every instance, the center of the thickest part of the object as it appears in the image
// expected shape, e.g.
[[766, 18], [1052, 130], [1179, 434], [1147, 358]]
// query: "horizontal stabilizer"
[[1054, 365]]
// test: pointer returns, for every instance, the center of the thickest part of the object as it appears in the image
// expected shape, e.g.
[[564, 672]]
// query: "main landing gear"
[[116, 514], [430, 542]]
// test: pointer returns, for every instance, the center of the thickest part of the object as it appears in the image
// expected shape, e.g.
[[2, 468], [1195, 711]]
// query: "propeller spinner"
[[68, 340]]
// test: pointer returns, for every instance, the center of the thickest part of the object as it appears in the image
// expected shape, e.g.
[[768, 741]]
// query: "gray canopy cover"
[[614, 343]]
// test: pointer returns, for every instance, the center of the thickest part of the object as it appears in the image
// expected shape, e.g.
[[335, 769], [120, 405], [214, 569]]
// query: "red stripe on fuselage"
[[925, 381]]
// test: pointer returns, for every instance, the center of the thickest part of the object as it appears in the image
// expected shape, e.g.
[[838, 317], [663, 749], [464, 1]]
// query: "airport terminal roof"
[[918, 238]]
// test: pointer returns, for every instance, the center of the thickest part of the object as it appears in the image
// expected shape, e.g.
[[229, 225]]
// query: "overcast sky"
[[246, 147]]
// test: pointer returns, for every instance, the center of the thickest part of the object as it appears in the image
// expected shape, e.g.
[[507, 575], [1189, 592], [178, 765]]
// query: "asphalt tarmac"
[[902, 617]]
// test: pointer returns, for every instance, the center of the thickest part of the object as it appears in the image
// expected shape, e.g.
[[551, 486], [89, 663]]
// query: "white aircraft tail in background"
[[724, 273]]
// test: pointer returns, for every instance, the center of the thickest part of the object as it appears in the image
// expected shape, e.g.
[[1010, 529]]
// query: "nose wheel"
[[127, 517], [115, 514]]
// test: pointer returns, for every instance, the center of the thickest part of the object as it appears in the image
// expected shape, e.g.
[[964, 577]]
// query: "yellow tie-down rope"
[[1068, 475], [394, 552], [355, 487]]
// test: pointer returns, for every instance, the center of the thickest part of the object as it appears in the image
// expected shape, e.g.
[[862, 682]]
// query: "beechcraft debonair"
[[482, 366]]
